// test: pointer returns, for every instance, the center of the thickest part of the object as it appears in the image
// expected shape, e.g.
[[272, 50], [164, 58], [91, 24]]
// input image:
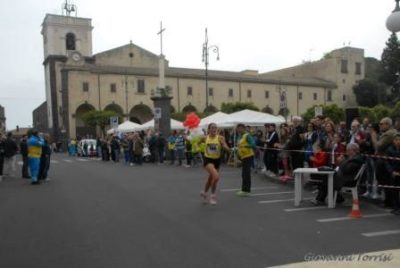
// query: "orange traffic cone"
[[355, 210]]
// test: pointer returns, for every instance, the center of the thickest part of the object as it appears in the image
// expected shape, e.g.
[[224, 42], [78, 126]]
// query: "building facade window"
[[315, 96], [267, 94], [189, 91], [344, 97], [358, 68], [210, 92], [140, 86], [249, 93], [343, 67], [230, 92], [300, 95], [113, 88], [85, 86], [329, 96]]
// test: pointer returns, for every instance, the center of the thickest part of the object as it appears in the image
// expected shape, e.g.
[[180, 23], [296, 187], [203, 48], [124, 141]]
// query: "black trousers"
[[338, 183], [246, 174], [395, 193], [272, 161], [1, 165], [25, 172], [297, 160], [384, 178]]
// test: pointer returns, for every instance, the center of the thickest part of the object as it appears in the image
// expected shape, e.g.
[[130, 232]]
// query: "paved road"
[[96, 214]]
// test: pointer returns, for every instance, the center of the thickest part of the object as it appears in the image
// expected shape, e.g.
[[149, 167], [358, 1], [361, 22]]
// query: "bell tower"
[[64, 36], [65, 33]]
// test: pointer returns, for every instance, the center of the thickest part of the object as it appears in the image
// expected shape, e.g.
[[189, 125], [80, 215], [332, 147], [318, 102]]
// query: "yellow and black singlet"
[[213, 147]]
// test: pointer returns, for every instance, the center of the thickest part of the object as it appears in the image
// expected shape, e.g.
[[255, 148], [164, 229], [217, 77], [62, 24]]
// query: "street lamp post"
[[206, 53], [393, 25], [393, 21]]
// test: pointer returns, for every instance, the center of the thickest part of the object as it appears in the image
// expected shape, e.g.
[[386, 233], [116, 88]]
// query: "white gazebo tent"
[[175, 125], [126, 126], [253, 118], [218, 118]]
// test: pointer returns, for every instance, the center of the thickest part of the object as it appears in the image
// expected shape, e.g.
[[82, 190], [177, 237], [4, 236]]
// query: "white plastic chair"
[[353, 189]]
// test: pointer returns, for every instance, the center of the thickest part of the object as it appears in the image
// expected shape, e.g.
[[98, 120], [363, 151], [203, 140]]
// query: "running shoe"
[[243, 194], [204, 197], [213, 200]]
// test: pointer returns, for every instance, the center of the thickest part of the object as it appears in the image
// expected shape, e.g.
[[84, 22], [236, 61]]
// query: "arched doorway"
[[117, 109], [189, 108], [82, 129], [140, 113]]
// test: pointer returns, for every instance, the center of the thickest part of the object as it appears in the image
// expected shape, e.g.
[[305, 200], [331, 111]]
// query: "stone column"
[[163, 124]]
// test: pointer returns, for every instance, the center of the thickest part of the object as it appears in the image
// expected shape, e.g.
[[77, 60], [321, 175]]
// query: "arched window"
[[70, 41]]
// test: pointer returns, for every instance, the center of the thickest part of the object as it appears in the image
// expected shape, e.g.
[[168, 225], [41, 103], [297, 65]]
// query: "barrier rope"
[[366, 155], [305, 151]]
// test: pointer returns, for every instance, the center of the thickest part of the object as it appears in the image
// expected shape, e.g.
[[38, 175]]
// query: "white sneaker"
[[367, 195], [204, 197], [213, 200]]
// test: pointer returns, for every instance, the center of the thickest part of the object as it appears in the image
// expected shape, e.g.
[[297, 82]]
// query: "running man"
[[212, 159]]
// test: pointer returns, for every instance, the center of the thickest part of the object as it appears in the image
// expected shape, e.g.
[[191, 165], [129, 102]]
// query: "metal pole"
[[206, 63], [126, 97], [206, 60], [206, 82]]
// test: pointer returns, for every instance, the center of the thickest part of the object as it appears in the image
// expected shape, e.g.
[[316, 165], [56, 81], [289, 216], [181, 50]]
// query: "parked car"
[[87, 148]]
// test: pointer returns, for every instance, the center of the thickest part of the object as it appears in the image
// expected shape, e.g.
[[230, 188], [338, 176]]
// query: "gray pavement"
[[102, 214]]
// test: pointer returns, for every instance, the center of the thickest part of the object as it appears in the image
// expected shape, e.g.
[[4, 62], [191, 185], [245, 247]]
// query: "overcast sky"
[[263, 35]]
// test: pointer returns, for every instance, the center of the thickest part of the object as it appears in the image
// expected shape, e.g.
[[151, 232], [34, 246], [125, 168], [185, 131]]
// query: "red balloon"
[[192, 121]]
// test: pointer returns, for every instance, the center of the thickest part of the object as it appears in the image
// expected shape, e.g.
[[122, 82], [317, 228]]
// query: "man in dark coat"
[[393, 168], [160, 145], [1, 156], [10, 151], [296, 143], [347, 170], [24, 152]]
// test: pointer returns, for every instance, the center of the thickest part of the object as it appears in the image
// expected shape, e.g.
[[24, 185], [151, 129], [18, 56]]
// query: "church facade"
[[124, 79]]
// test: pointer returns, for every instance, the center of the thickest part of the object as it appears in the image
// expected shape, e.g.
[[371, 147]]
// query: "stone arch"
[[114, 108], [189, 108], [70, 41], [82, 129], [140, 113]]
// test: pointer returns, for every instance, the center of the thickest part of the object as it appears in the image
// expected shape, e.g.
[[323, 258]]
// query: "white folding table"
[[298, 184]]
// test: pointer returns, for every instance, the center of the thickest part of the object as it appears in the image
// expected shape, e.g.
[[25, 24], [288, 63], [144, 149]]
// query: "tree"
[[267, 110], [98, 118], [391, 60], [381, 111], [284, 112], [395, 113], [335, 113], [366, 92], [237, 106], [210, 109], [391, 66], [367, 112]]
